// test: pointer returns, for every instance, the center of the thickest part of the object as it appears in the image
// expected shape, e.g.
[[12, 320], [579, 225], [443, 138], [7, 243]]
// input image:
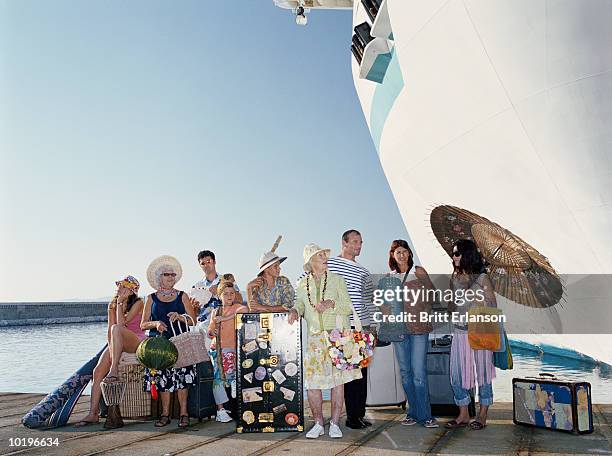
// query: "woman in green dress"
[[323, 300]]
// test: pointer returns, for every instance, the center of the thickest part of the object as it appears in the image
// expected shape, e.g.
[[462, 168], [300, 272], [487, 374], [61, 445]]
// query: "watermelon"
[[157, 353]]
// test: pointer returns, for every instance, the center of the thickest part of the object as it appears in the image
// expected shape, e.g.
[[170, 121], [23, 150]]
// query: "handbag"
[[484, 335], [190, 345], [391, 332], [349, 348], [503, 359]]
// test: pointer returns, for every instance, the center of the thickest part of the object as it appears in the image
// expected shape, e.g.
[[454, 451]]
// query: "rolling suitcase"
[[550, 403], [201, 402], [200, 399], [384, 379], [441, 395], [270, 389]]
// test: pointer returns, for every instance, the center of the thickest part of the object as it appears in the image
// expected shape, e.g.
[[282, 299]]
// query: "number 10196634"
[[33, 441]]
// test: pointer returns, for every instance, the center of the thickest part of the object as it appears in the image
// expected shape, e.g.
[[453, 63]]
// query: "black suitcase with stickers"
[[269, 373]]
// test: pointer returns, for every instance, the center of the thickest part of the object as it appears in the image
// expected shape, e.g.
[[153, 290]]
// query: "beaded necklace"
[[166, 292], [308, 287]]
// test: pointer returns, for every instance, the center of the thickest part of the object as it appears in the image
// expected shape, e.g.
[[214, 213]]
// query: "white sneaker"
[[223, 416], [315, 432], [334, 431]]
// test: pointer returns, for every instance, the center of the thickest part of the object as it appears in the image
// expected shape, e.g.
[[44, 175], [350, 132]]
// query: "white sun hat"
[[165, 262], [311, 250], [270, 258]]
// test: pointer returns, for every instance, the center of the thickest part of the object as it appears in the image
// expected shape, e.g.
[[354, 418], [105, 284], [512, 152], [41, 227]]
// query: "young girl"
[[223, 329]]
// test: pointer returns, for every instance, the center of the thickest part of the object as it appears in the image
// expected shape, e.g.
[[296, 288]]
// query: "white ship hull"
[[504, 108]]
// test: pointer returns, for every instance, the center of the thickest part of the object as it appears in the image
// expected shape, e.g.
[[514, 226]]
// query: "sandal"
[[183, 421], [84, 423], [477, 425], [454, 424], [164, 420]]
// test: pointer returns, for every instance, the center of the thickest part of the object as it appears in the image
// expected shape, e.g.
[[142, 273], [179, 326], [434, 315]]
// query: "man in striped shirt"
[[361, 292]]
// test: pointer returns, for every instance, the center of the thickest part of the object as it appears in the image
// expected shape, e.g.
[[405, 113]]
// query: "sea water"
[[37, 359]]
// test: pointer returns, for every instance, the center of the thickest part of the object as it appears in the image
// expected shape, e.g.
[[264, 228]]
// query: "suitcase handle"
[[546, 374]]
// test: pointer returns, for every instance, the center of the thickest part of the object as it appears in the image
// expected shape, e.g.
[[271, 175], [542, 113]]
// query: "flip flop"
[[453, 424], [477, 425], [84, 423]]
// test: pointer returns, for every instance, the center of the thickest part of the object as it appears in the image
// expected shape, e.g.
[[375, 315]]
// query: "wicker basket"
[[136, 403], [191, 346]]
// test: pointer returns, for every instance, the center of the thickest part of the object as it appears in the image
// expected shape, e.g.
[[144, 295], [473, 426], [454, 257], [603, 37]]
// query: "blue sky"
[[134, 129]]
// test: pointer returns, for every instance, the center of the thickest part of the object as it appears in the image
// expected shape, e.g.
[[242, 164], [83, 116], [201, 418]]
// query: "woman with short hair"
[[322, 299], [164, 308]]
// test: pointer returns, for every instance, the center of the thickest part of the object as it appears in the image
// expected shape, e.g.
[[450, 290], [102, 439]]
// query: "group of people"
[[330, 292]]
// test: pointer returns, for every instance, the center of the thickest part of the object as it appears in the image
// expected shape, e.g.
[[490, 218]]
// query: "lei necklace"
[[308, 288]]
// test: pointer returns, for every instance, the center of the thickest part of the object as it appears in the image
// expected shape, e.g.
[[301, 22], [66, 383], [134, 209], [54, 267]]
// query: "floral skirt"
[[319, 372], [171, 379]]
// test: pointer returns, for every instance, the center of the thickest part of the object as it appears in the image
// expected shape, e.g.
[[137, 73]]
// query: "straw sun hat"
[[311, 250], [270, 258], [163, 262]]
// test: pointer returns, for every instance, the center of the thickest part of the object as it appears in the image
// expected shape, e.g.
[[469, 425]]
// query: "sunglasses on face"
[[169, 274], [456, 253]]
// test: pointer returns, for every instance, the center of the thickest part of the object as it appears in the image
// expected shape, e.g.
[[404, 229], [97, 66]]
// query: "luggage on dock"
[[270, 389], [136, 403], [441, 395], [200, 399], [384, 379], [550, 403], [201, 402]]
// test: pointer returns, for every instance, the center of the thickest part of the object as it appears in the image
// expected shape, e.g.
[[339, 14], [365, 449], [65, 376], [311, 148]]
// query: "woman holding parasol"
[[469, 367]]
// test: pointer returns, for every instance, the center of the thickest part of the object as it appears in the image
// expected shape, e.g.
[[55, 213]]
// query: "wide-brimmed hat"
[[129, 282], [164, 261], [311, 250], [269, 258]]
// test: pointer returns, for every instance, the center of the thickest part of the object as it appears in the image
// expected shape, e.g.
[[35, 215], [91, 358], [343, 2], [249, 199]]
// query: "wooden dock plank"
[[385, 437]]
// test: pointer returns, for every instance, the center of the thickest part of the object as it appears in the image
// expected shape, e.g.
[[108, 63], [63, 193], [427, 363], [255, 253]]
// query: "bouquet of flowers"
[[350, 348]]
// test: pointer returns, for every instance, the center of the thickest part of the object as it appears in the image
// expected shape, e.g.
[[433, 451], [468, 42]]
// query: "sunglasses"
[[169, 274], [456, 253]]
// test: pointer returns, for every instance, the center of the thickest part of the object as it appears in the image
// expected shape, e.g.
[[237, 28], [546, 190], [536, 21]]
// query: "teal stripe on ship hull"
[[385, 95]]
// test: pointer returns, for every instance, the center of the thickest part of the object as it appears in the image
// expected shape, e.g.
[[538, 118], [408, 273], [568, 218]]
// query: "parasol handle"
[[497, 249]]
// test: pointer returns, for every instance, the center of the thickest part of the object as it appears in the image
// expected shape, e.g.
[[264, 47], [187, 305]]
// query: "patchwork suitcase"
[[441, 395], [201, 402], [384, 379], [269, 373], [550, 403]]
